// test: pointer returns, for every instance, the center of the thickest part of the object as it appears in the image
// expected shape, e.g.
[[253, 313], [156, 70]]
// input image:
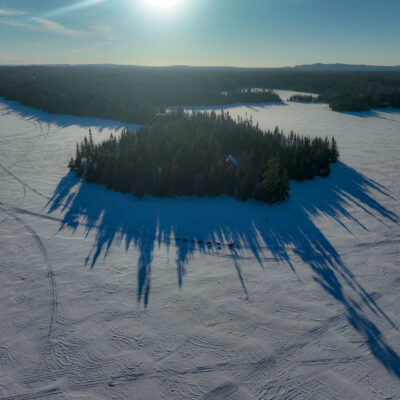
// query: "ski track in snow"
[[305, 305]]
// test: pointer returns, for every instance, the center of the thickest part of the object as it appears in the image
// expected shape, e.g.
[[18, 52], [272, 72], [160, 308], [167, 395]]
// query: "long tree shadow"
[[252, 106], [199, 224], [381, 113], [61, 120]]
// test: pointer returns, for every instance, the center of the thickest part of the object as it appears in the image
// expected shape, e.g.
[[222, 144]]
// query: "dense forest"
[[304, 98], [137, 94], [204, 154]]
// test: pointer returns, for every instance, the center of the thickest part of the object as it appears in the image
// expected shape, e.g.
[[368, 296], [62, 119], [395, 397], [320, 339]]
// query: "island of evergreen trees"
[[204, 154]]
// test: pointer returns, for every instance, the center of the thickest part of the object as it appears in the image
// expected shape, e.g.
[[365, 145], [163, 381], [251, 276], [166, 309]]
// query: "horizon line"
[[202, 66]]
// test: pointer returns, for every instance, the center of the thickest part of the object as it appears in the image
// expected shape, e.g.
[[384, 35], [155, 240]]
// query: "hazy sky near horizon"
[[252, 33]]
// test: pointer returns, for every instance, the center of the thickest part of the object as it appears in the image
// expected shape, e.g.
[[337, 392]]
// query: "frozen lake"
[[99, 301]]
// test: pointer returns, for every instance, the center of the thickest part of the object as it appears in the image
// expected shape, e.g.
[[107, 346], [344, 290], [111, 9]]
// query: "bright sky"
[[200, 32]]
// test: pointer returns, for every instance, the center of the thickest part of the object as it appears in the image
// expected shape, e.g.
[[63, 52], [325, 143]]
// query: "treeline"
[[126, 94], [204, 154], [137, 94], [303, 98], [252, 96], [346, 100]]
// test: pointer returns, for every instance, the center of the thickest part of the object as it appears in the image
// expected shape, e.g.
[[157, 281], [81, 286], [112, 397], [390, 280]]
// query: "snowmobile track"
[[50, 272], [248, 369], [23, 183], [229, 387]]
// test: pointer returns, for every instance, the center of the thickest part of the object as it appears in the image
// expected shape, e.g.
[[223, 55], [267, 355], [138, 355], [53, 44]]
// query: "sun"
[[163, 3]]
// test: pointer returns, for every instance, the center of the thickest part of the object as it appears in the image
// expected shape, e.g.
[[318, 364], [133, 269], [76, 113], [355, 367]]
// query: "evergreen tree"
[[334, 151], [274, 186]]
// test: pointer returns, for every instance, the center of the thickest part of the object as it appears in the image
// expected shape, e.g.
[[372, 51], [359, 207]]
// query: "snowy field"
[[99, 301]]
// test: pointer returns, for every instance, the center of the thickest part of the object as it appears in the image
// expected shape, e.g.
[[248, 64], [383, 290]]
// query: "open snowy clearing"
[[99, 300]]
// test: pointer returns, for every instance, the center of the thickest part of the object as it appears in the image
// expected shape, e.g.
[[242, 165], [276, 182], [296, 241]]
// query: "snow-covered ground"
[[99, 301]]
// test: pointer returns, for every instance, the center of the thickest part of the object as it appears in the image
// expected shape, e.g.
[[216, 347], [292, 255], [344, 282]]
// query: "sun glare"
[[163, 3]]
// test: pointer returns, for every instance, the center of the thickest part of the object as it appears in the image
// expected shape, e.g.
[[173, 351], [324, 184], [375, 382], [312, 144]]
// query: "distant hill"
[[319, 67]]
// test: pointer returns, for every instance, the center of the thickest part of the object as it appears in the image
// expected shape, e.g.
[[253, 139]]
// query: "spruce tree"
[[334, 151]]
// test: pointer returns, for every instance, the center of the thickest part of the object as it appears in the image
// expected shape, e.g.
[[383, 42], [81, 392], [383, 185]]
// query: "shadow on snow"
[[61, 120], [280, 230], [382, 113], [252, 106]]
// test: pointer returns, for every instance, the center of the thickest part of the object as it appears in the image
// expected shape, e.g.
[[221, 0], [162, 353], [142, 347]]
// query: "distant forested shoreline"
[[204, 154], [304, 98], [137, 94]]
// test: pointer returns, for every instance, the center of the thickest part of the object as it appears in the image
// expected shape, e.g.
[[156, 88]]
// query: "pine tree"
[[91, 143], [274, 186], [334, 151]]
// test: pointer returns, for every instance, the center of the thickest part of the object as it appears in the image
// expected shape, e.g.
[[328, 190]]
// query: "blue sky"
[[200, 32]]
